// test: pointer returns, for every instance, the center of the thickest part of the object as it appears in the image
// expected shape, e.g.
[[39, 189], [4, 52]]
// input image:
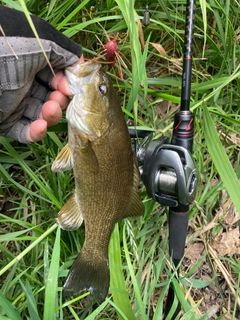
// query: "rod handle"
[[178, 224]]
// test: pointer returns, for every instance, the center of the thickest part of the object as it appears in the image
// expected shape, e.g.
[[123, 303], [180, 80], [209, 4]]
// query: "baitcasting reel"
[[168, 171]]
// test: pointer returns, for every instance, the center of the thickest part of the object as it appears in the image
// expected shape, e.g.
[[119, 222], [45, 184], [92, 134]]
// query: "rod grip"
[[178, 224]]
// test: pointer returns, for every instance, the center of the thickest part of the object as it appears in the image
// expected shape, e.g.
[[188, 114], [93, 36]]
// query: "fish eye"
[[102, 89]]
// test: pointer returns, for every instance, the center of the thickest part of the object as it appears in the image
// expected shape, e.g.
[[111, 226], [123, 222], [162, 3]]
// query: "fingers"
[[57, 80], [60, 83], [51, 112], [50, 115], [81, 60], [37, 130], [60, 98]]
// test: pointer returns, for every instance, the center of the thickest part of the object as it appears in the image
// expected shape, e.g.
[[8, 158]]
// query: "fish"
[[105, 171]]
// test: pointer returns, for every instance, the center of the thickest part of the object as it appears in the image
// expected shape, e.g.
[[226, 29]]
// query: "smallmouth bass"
[[105, 171]]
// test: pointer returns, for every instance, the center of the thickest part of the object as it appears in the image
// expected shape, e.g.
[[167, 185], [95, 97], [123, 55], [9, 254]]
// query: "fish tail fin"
[[87, 275]]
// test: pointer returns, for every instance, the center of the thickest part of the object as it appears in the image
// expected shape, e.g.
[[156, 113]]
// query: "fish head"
[[89, 110]]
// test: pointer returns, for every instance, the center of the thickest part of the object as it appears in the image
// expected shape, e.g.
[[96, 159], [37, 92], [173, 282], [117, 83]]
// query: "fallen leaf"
[[140, 34], [194, 251], [159, 48], [227, 243]]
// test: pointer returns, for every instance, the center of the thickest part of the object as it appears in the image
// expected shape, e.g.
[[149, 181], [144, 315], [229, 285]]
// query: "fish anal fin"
[[70, 217], [135, 207], [87, 275], [64, 160]]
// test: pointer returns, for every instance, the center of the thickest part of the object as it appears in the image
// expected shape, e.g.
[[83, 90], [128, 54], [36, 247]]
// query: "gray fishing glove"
[[24, 72]]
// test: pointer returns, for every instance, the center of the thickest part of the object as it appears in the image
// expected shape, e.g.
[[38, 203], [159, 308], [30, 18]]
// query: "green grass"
[[35, 256]]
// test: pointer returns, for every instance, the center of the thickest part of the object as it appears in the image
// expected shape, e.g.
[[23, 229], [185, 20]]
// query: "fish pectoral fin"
[[87, 274], [135, 207], [70, 217], [64, 160]]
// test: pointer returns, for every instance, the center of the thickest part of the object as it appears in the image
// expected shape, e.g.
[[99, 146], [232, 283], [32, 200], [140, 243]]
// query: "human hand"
[[31, 98], [51, 112]]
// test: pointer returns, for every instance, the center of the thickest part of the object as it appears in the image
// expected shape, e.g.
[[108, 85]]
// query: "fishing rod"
[[168, 169], [183, 132]]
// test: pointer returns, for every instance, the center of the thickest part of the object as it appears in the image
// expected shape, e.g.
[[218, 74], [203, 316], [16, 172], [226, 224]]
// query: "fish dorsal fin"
[[70, 217], [64, 160], [135, 207]]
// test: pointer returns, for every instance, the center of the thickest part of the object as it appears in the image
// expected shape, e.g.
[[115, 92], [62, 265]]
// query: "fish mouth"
[[83, 69], [81, 112], [80, 75]]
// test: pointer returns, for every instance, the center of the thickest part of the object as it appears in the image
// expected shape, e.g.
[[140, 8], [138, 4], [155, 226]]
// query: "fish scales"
[[106, 176]]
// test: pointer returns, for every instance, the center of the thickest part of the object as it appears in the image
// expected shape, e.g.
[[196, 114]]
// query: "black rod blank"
[[187, 58]]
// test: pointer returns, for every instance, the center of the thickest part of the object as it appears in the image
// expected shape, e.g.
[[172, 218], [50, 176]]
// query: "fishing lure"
[[111, 53], [111, 50]]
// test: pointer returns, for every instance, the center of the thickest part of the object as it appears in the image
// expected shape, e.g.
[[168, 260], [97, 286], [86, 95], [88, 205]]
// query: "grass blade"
[[134, 279], [29, 19], [28, 249], [204, 15], [15, 235], [52, 281], [9, 309], [220, 159], [28, 170], [120, 295], [137, 58], [96, 312], [32, 305]]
